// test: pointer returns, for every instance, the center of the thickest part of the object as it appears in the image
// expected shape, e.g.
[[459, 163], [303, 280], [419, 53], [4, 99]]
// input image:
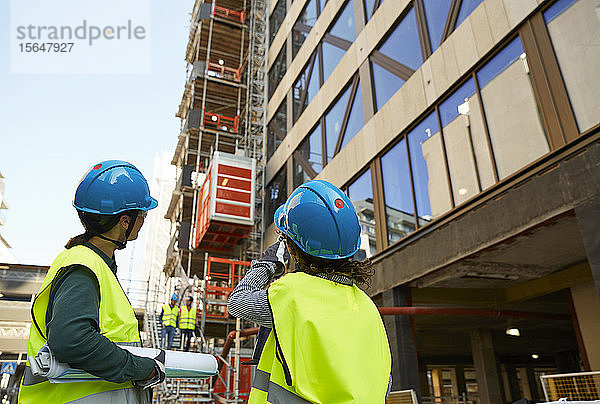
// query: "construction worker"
[[169, 316], [327, 342], [81, 311], [187, 321]]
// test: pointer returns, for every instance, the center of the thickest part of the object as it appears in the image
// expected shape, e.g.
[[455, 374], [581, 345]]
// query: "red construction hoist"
[[225, 203]]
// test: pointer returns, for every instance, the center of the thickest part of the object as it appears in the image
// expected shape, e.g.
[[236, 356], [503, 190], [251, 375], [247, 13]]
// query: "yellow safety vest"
[[169, 317], [187, 318], [117, 323], [328, 345]]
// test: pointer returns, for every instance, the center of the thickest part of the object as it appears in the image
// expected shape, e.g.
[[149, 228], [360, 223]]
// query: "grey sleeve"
[[249, 298]]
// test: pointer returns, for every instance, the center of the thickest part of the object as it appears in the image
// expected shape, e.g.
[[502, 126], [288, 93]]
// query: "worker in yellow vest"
[[81, 312], [169, 316], [326, 342], [187, 321]]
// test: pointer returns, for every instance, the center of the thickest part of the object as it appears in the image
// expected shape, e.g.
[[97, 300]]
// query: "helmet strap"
[[121, 244], [132, 218]]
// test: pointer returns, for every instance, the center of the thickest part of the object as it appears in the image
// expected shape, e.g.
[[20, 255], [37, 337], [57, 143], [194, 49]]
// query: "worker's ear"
[[124, 221]]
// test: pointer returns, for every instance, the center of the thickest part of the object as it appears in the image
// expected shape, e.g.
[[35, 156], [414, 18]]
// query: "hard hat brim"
[[279, 218], [153, 204]]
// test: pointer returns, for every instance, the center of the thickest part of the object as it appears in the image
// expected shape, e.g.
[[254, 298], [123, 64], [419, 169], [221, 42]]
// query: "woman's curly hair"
[[359, 271]]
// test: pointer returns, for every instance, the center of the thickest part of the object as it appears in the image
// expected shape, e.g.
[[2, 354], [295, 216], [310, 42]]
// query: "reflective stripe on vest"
[[274, 393], [117, 322], [187, 318], [339, 356], [169, 317]]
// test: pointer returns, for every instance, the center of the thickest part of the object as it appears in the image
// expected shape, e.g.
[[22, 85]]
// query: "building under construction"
[[466, 134], [216, 207]]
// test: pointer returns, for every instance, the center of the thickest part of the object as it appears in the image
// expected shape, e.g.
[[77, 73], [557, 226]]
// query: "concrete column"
[[405, 367], [588, 217], [454, 382], [587, 308], [423, 382], [532, 384], [460, 380], [486, 370], [513, 392], [525, 383], [437, 380]]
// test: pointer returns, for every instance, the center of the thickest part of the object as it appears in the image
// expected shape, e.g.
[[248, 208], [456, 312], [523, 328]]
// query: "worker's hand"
[[279, 255], [158, 374]]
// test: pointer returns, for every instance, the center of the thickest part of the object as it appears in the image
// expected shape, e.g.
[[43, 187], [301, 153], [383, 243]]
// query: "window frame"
[[548, 87]]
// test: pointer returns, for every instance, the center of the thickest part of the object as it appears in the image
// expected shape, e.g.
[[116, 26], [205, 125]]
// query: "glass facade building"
[[426, 112]]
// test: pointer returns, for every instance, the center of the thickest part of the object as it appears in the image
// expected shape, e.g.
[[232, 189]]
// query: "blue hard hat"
[[112, 187], [174, 297], [321, 220]]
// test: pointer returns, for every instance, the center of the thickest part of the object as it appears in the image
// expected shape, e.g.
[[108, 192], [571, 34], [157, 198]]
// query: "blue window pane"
[[500, 62], [316, 150], [305, 22], [361, 189], [277, 71], [276, 19], [466, 8], [309, 80], [310, 151], [370, 7], [355, 120], [331, 57], [399, 208], [276, 195], [403, 45], [333, 123], [416, 138], [360, 193], [277, 129], [344, 26], [437, 14], [322, 5], [557, 9], [448, 108], [386, 84]]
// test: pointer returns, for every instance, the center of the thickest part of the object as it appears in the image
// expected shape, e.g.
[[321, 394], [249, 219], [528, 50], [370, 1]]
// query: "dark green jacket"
[[73, 330]]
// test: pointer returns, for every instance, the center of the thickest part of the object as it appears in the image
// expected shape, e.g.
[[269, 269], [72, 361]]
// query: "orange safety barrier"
[[237, 16], [222, 72], [222, 276], [220, 122]]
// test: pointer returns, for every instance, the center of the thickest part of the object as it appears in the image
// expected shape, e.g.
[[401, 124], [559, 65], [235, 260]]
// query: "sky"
[[53, 127]]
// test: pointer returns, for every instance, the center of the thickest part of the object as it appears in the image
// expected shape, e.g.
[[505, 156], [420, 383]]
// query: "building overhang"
[[522, 230]]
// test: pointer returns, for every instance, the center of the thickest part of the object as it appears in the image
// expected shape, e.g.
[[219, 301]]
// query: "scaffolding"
[[222, 110]]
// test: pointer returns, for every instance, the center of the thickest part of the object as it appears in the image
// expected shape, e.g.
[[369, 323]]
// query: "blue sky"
[[53, 127]]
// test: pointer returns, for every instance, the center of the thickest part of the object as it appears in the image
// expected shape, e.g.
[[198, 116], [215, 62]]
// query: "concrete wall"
[[587, 307]]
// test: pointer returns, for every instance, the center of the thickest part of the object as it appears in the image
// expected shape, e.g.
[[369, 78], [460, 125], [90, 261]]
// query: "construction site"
[[217, 205], [467, 136]]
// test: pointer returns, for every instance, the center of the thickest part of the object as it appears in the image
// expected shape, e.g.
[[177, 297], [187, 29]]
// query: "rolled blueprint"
[[177, 365]]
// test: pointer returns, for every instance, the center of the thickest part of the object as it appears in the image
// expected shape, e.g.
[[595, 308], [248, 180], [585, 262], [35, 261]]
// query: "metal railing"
[[402, 397], [464, 399], [583, 386]]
